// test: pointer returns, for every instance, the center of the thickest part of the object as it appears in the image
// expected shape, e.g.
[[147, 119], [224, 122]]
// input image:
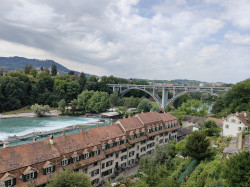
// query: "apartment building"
[[100, 152]]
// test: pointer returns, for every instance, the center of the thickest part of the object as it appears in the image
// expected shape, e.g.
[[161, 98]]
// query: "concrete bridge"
[[178, 91]]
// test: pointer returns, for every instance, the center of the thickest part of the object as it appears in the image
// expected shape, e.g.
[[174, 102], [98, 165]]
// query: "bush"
[[40, 110]]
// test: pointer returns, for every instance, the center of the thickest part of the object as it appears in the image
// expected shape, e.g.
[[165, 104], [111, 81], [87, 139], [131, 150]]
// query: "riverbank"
[[52, 113]]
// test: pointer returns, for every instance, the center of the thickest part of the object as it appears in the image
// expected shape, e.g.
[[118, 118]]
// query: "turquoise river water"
[[23, 126]]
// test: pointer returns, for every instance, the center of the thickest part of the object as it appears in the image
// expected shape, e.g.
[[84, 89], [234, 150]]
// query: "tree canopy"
[[69, 178]]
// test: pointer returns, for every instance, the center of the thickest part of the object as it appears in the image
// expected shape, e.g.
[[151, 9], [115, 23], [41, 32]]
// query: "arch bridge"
[[178, 91]]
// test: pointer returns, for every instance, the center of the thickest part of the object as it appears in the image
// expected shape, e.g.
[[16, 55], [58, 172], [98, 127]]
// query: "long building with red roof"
[[100, 152]]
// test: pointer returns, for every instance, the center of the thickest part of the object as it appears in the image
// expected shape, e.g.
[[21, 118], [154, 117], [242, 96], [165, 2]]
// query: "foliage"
[[115, 99], [99, 102], [62, 105], [144, 105], [236, 99], [236, 170], [197, 146], [210, 128], [132, 102], [53, 70], [40, 110], [180, 147], [70, 179], [73, 105]]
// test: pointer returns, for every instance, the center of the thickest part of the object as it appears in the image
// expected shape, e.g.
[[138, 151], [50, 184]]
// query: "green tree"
[[83, 99], [144, 105], [73, 105], [180, 147], [53, 70], [211, 128], [236, 170], [62, 105], [27, 68], [69, 178], [82, 80], [99, 102], [73, 90], [33, 72], [197, 145], [115, 99], [40, 110]]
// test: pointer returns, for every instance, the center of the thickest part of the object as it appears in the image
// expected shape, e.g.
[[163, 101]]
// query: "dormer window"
[[29, 174], [65, 162], [111, 144], [96, 152], [85, 156], [131, 136], [138, 135], [48, 168], [153, 129], [104, 146], [149, 130], [9, 180], [157, 128], [76, 159], [118, 143], [160, 128], [125, 140]]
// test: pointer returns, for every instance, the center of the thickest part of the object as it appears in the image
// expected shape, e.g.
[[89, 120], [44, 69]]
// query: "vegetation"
[[70, 179], [144, 105], [197, 146], [40, 110], [236, 99]]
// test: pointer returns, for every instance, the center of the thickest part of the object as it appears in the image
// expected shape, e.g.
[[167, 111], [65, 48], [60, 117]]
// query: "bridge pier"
[[164, 97]]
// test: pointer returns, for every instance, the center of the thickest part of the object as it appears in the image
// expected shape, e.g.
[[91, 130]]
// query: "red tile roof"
[[149, 117], [131, 123]]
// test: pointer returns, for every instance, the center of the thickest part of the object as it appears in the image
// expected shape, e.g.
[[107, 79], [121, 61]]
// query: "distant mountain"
[[18, 63]]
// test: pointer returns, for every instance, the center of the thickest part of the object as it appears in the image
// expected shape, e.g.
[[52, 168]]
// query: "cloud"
[[144, 39]]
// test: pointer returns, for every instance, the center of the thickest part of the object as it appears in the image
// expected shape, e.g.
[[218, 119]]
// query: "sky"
[[206, 40]]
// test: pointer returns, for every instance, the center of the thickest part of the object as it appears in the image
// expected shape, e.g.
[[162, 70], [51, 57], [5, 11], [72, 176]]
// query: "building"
[[100, 152], [235, 124], [184, 131]]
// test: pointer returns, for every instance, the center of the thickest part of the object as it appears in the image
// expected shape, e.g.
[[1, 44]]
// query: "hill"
[[18, 63]]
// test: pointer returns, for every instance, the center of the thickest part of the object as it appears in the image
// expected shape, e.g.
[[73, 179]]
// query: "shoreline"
[[52, 113]]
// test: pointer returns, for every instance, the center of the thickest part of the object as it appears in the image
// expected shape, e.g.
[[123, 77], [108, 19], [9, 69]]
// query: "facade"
[[235, 124], [100, 152]]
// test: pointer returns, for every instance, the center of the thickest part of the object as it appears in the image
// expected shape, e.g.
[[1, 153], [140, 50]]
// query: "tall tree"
[[53, 70], [82, 80], [27, 68], [145, 105]]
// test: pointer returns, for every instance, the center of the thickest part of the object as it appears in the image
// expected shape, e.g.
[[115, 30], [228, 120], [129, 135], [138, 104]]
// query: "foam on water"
[[23, 126]]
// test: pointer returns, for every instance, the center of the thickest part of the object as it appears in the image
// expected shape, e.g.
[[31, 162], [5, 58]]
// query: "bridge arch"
[[154, 96], [183, 93]]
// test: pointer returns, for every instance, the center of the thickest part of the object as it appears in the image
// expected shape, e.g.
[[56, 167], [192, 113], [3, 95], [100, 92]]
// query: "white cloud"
[[178, 40]]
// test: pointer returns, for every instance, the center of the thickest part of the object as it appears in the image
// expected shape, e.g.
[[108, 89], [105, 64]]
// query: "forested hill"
[[18, 63]]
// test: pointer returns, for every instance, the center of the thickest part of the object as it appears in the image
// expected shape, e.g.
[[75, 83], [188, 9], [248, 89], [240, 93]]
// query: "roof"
[[41, 151], [131, 123], [244, 118], [149, 117], [7, 175], [217, 121], [247, 142], [194, 119], [185, 130]]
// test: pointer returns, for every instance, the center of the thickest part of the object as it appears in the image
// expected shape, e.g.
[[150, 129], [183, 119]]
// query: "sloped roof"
[[194, 119], [217, 121], [149, 117], [131, 123], [244, 119]]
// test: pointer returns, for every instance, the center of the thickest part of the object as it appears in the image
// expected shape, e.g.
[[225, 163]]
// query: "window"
[[9, 183], [160, 127], [153, 129], [143, 142], [118, 142], [161, 141], [95, 172], [117, 155], [131, 137], [125, 141], [137, 135], [95, 164], [239, 128], [157, 128], [97, 152], [104, 146], [103, 165], [111, 144], [143, 133], [124, 150], [49, 170], [65, 162], [95, 181], [105, 173], [166, 139], [123, 157], [123, 165], [76, 159], [30, 176], [143, 149], [85, 156], [227, 126], [233, 120], [109, 163], [149, 130], [131, 153]]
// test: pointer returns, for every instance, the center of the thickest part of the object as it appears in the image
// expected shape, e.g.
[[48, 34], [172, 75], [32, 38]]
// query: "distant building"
[[235, 124], [3, 71], [192, 120]]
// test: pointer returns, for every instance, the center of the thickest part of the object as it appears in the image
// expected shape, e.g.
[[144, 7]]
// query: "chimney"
[[51, 139], [63, 133], [237, 114], [34, 139], [245, 114], [6, 144]]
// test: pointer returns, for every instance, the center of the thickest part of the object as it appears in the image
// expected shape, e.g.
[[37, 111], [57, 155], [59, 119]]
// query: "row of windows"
[[132, 136], [95, 172], [105, 173], [106, 146], [150, 145]]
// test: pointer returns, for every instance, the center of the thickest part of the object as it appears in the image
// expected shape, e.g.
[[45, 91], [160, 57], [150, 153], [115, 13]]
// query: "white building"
[[235, 123]]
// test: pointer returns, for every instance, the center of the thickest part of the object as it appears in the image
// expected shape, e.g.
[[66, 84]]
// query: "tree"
[[53, 70], [40, 110], [69, 178], [211, 128], [99, 102], [82, 80], [180, 147], [73, 90], [33, 72], [115, 99], [27, 68], [83, 99], [73, 105], [197, 145], [145, 105], [62, 105], [236, 170]]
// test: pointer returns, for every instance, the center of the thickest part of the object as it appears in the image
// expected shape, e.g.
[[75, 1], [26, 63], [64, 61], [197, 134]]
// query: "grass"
[[155, 105]]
